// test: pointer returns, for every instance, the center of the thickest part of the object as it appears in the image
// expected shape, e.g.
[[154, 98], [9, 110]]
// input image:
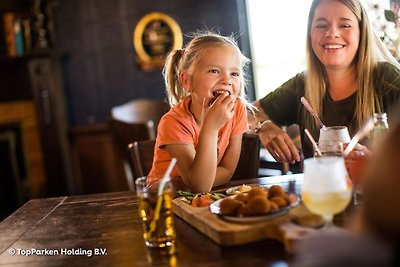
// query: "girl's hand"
[[278, 143], [221, 111]]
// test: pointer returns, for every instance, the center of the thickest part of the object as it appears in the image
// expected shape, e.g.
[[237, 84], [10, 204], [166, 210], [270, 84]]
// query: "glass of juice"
[[326, 189], [156, 212]]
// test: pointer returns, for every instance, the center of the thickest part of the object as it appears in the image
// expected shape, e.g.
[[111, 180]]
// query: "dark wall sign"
[[155, 35]]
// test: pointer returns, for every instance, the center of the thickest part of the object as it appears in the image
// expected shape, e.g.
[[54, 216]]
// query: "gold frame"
[[145, 60]]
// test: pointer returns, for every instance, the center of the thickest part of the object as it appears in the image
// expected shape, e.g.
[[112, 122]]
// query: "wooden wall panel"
[[23, 112]]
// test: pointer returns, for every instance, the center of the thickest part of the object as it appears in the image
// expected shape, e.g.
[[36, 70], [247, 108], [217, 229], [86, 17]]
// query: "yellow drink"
[[326, 203], [163, 234]]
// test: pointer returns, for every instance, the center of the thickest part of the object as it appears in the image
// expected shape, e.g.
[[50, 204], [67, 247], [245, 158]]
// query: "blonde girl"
[[203, 130]]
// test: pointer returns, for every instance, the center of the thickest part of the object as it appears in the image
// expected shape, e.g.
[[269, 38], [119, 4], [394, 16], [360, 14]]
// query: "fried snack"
[[216, 94], [259, 204], [276, 191], [257, 191], [273, 206], [242, 198], [280, 201], [244, 210], [229, 206]]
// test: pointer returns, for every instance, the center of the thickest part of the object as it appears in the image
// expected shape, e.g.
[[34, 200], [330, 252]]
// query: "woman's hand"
[[356, 162], [278, 143], [359, 151]]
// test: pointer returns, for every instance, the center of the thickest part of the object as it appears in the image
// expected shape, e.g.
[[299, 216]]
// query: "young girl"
[[203, 130]]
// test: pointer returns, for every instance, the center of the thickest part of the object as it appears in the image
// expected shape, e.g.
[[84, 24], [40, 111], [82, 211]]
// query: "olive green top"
[[283, 105]]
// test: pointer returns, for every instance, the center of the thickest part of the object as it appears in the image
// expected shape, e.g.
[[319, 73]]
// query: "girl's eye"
[[236, 74], [345, 26], [213, 71]]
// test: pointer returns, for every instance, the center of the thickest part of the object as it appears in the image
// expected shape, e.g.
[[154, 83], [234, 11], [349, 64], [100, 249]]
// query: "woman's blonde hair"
[[371, 50], [187, 59]]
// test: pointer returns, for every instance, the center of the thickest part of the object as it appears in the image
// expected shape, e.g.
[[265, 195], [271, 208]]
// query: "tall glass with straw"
[[155, 210]]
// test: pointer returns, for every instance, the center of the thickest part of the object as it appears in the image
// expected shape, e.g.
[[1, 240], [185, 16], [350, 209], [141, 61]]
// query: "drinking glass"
[[334, 134], [329, 149], [156, 213], [326, 189], [356, 169]]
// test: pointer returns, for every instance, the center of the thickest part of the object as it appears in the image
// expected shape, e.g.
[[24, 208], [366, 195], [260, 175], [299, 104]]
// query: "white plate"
[[214, 208]]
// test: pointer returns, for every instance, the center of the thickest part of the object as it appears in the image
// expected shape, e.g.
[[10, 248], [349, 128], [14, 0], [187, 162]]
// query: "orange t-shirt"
[[178, 126]]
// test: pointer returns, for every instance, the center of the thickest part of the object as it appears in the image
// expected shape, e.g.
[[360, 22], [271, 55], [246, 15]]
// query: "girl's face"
[[335, 34], [218, 70]]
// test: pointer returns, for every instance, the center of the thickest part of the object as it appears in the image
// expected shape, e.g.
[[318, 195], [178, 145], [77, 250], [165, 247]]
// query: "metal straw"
[[310, 109], [359, 135], [313, 142]]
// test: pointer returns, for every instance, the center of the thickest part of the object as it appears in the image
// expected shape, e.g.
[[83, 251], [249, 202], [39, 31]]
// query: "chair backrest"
[[142, 153], [141, 110], [123, 134], [249, 160]]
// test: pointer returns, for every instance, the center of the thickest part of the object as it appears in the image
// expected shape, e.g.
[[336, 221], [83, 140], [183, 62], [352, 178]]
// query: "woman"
[[350, 76]]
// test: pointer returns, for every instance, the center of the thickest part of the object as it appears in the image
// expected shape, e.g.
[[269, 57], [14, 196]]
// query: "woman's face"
[[335, 34]]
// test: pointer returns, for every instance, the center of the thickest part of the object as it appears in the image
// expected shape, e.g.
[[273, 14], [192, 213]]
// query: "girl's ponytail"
[[171, 77]]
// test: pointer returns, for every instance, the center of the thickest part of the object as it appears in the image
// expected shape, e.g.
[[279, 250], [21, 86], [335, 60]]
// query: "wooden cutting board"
[[230, 233]]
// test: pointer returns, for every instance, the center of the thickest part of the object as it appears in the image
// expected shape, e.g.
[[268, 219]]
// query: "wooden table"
[[109, 224]]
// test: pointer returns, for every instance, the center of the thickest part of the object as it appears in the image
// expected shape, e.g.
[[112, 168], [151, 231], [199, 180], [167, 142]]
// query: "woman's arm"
[[274, 139], [254, 119]]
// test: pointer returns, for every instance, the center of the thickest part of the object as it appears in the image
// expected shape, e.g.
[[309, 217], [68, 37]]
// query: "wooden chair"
[[141, 110], [142, 153], [123, 134], [249, 160]]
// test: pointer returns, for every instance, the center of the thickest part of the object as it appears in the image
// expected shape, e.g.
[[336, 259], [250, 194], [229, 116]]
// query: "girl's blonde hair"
[[371, 50], [187, 59]]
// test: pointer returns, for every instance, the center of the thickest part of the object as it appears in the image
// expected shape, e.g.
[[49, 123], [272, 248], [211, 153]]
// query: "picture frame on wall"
[[155, 35]]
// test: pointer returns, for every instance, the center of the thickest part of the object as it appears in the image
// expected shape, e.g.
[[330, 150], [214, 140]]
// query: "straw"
[[310, 109], [166, 177], [359, 135], [164, 180], [313, 142]]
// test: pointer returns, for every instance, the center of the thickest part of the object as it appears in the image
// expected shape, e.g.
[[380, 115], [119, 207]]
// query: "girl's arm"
[[198, 167], [202, 172], [229, 161]]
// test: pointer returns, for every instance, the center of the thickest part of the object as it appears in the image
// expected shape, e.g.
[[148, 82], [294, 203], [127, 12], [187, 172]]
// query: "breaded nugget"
[[259, 204], [273, 206], [244, 210], [229, 206], [242, 198], [281, 202], [276, 191], [257, 191]]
